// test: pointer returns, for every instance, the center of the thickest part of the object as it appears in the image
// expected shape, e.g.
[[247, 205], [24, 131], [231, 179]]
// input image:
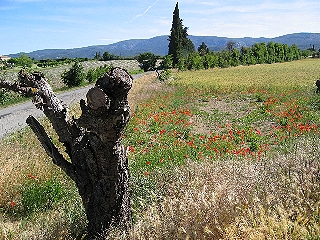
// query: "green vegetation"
[[9, 98], [179, 43], [94, 73], [108, 56], [75, 76], [222, 153], [56, 62], [183, 56], [147, 61], [40, 196], [259, 53], [22, 61]]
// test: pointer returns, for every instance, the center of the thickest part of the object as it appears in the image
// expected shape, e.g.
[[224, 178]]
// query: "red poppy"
[[162, 131], [131, 149], [202, 137], [145, 150], [258, 132], [31, 176]]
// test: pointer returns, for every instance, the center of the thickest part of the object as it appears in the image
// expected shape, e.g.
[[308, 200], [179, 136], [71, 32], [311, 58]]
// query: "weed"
[[40, 196]]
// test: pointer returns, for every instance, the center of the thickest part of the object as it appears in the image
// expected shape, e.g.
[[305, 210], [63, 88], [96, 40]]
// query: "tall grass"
[[274, 198], [215, 154], [274, 77]]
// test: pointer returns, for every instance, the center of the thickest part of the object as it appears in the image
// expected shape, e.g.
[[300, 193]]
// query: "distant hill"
[[159, 45]]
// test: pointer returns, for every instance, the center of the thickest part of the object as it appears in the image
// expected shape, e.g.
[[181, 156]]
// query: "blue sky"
[[28, 25]]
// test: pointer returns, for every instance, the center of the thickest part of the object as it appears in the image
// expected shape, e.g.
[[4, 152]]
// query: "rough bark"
[[98, 162], [318, 85]]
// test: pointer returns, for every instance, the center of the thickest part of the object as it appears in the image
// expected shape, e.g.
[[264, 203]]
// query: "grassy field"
[[215, 154]]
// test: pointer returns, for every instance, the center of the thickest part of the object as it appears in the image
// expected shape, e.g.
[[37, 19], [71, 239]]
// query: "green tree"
[[108, 56], [97, 56], [247, 56], [260, 52], [210, 60], [167, 62], [181, 64], [147, 61], [203, 49], [75, 76], [23, 60], [295, 52], [91, 75], [224, 59], [235, 57], [94, 74], [195, 61], [271, 52], [244, 58], [179, 43], [288, 56], [305, 53], [279, 52]]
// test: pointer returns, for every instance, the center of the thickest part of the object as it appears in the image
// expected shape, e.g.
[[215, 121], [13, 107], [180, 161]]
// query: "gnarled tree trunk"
[[98, 162]]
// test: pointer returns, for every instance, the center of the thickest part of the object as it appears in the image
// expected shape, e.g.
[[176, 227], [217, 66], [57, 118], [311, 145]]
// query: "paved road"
[[14, 118]]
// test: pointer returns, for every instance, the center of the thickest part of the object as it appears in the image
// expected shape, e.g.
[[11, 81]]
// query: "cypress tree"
[[179, 43]]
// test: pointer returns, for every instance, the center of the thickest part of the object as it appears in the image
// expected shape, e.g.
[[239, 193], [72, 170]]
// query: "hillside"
[[159, 45]]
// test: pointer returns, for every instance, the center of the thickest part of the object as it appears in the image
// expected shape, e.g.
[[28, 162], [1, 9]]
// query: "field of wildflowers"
[[214, 154], [243, 117], [232, 153]]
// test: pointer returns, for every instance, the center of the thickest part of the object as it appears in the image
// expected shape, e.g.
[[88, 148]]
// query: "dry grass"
[[22, 155], [276, 77], [18, 159], [146, 87], [277, 197]]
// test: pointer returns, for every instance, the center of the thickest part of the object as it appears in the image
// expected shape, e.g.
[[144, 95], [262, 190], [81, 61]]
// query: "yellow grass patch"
[[278, 76]]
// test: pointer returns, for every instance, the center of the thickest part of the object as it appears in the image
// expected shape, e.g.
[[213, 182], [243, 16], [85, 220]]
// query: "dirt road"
[[14, 118]]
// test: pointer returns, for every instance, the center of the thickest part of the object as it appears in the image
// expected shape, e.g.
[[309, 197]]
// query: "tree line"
[[259, 53], [182, 53]]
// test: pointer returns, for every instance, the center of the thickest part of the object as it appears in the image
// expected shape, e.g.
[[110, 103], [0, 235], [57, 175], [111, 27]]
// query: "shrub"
[[91, 75], [147, 61], [4, 96], [75, 76], [167, 62], [23, 60], [195, 61], [164, 75], [7, 97], [94, 74]]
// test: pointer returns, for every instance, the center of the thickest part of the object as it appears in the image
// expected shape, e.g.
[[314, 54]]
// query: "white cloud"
[[140, 15], [259, 19]]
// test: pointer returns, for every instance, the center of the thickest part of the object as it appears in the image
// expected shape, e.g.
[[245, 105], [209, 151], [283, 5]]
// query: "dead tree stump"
[[98, 163], [318, 85]]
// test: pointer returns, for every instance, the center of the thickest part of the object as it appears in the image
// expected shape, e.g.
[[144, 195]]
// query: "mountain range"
[[159, 46]]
